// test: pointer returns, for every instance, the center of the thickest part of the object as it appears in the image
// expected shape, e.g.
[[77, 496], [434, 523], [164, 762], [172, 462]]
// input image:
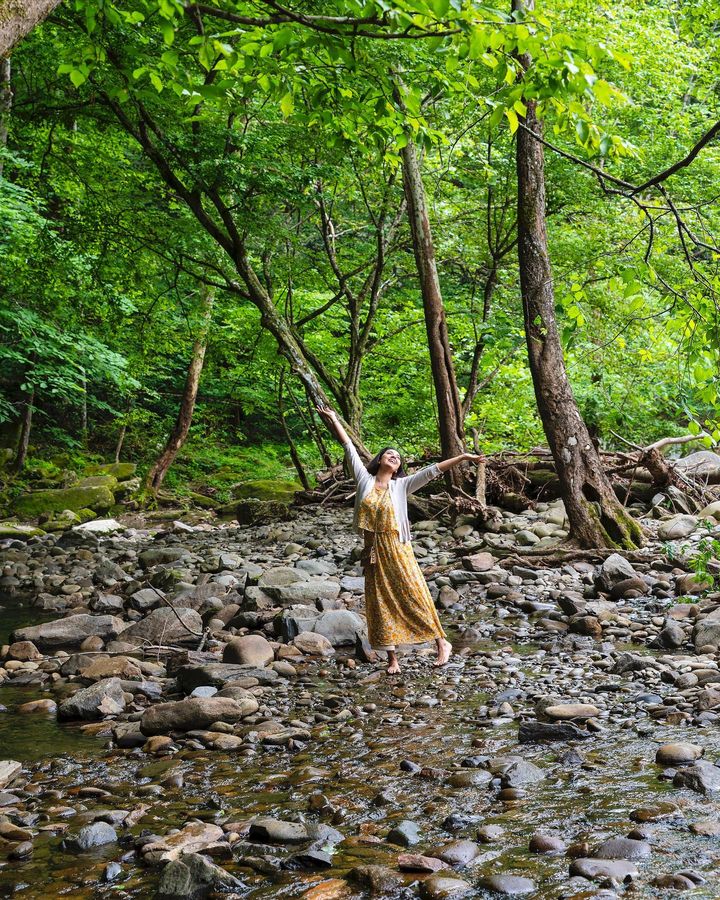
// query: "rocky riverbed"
[[568, 750]]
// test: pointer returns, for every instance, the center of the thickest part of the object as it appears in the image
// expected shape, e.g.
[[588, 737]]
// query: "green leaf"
[[77, 77], [287, 105], [513, 120]]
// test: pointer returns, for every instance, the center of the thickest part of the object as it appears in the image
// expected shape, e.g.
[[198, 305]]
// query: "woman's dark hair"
[[374, 464]]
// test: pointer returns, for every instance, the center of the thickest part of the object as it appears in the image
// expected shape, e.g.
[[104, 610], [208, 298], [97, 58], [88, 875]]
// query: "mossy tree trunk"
[[597, 518]]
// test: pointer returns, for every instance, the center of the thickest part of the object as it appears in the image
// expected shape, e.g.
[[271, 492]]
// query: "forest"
[[483, 237]]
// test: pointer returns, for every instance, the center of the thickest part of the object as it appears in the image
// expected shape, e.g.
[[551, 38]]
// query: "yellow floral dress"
[[398, 604]]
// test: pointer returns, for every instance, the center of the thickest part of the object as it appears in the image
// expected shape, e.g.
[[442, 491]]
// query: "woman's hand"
[[474, 458], [325, 412]]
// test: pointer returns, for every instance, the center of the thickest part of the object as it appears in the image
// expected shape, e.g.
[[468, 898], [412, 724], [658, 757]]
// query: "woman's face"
[[391, 459]]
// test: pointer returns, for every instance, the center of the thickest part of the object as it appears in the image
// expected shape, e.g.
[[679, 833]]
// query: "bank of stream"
[[432, 754]]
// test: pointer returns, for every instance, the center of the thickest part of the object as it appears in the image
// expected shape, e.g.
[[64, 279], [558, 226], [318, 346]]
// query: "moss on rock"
[[121, 471], [37, 503], [267, 489]]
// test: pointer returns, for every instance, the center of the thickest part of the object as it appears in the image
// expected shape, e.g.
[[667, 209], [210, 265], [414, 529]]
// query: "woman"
[[398, 604]]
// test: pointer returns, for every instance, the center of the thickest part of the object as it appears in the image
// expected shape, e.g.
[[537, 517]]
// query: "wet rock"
[[679, 754], [702, 777], [192, 876], [542, 732], [95, 835], [11, 832], [23, 850], [458, 854], [194, 713], [673, 882], [37, 706], [415, 862], [521, 773], [655, 813], [546, 843], [508, 884], [490, 834], [249, 650], [622, 848], [438, 887], [166, 626], [629, 587], [600, 869], [379, 880], [405, 834], [192, 838], [276, 831], [477, 778], [103, 698], [69, 633], [222, 675]]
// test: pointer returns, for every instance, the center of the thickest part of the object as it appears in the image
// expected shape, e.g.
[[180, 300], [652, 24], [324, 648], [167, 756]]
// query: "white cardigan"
[[399, 489]]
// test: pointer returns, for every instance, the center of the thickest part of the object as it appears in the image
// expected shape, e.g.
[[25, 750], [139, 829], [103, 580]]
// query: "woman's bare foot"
[[444, 651], [393, 664]]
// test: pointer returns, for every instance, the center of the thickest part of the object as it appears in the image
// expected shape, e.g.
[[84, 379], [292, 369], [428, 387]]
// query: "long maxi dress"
[[398, 604]]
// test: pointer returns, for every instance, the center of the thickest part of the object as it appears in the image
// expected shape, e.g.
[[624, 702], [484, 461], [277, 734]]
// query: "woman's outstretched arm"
[[464, 457], [329, 416]]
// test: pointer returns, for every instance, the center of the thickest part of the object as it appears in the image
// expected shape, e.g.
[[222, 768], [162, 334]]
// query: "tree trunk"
[[597, 518], [24, 436], [179, 433], [450, 415], [19, 17], [294, 455], [5, 105]]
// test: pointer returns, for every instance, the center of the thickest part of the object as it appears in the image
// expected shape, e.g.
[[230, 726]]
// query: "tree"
[[19, 17], [178, 435], [597, 518]]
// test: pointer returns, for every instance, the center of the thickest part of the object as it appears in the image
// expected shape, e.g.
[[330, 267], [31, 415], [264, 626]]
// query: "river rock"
[[34, 504], [221, 675], [600, 869], [166, 626], [702, 777], [405, 834], [679, 754], [100, 526], [312, 644], [614, 569], [340, 626], [277, 831], [563, 711], [622, 848], [513, 885], [103, 698], [249, 650], [542, 732], [521, 773], [9, 769], [458, 853], [707, 630], [439, 887], [193, 875], [415, 862], [194, 713], [95, 835], [23, 651], [192, 838], [69, 633], [112, 667], [677, 527]]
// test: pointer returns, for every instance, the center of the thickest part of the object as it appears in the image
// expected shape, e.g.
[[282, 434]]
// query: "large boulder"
[[677, 527], [249, 650], [121, 471], [707, 631], [192, 875], [103, 698], [69, 633], [37, 503], [303, 592], [614, 569], [702, 463], [194, 713], [166, 626], [219, 675], [255, 512], [340, 626]]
